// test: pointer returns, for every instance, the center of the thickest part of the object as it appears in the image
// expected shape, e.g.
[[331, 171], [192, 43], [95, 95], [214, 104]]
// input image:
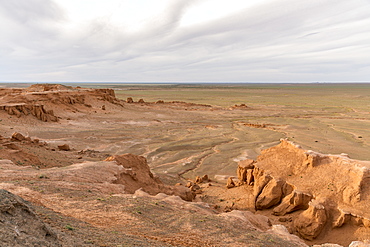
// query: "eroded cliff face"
[[48, 102], [328, 191]]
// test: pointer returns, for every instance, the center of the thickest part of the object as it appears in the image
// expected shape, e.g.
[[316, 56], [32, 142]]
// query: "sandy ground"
[[180, 141]]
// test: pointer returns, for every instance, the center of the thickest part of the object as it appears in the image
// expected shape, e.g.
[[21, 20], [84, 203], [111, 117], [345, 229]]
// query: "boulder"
[[243, 167], [183, 192], [189, 184], [342, 219], [205, 178], [129, 100], [18, 137], [310, 223], [195, 188], [230, 183], [260, 181], [64, 147], [294, 201], [271, 194], [198, 180]]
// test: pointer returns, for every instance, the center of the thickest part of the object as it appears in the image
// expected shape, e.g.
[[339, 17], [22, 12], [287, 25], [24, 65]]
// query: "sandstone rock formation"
[[47, 87], [136, 174], [36, 110], [64, 147], [271, 194], [310, 223], [287, 178], [243, 167], [18, 136], [230, 183], [47, 102], [294, 201]]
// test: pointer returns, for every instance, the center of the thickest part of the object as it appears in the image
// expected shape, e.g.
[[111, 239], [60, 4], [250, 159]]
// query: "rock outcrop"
[[245, 167], [136, 174], [20, 226], [271, 194], [64, 147], [288, 179], [47, 102], [26, 109], [18, 137], [230, 183], [296, 200], [310, 223]]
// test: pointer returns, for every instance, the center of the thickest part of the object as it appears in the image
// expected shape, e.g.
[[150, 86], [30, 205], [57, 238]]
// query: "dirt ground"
[[180, 141]]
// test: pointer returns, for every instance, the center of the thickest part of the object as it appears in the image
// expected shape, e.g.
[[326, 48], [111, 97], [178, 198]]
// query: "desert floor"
[[219, 125]]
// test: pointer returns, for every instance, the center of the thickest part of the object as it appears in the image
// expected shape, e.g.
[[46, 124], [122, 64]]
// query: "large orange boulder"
[[310, 223], [294, 201], [271, 194]]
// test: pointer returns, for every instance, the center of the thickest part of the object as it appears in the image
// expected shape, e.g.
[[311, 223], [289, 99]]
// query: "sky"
[[184, 41]]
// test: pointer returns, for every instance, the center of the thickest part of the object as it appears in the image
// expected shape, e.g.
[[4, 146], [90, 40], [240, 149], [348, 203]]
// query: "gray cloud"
[[284, 40]]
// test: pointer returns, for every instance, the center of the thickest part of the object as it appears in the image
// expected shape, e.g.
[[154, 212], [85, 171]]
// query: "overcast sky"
[[185, 41]]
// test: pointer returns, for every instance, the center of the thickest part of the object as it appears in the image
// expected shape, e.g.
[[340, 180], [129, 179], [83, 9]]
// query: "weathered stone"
[[198, 180], [260, 180], [243, 167], [18, 136], [64, 147], [294, 201], [183, 192], [189, 184], [310, 223], [194, 187], [205, 178], [342, 219], [230, 183], [271, 194], [250, 178]]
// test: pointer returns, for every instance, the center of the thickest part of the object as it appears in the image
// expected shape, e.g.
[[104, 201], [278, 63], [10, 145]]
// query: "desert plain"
[[184, 131]]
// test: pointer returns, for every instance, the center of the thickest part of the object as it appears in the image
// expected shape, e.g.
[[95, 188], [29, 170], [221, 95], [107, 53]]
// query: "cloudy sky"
[[185, 41]]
